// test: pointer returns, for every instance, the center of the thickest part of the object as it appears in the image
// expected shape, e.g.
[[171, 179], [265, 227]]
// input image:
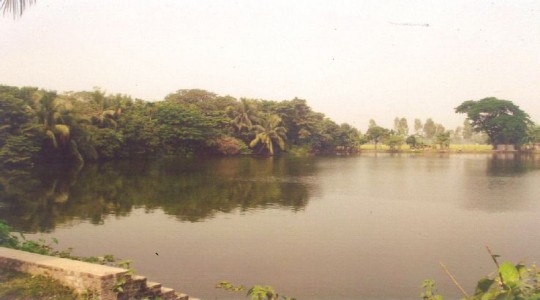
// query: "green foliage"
[[394, 141], [347, 139], [269, 134], [430, 291], [443, 139], [229, 286], [20, 150], [376, 134], [418, 126], [90, 126], [17, 285], [401, 126], [259, 292], [535, 134], [243, 114], [20, 138], [46, 248], [139, 130], [46, 286], [226, 145], [107, 143], [182, 129], [412, 141], [503, 121], [430, 129], [256, 292], [467, 130], [510, 281], [6, 239], [42, 247]]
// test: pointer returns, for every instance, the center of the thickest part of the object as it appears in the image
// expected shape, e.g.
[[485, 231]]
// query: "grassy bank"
[[17, 285]]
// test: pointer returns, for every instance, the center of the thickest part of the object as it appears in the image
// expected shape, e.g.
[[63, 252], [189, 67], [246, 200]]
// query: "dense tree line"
[[38, 125]]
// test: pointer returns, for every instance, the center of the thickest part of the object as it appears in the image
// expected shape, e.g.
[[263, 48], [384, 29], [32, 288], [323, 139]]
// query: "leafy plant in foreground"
[[512, 281], [430, 291]]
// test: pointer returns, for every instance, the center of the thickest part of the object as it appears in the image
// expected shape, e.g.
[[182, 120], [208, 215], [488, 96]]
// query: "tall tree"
[[397, 125], [20, 137], [458, 133], [418, 126], [269, 133], [443, 139], [401, 126], [297, 117], [347, 138], [141, 137], [49, 112], [439, 128], [502, 121], [467, 130], [183, 129], [376, 134], [430, 128], [243, 114], [394, 141], [412, 141], [54, 114]]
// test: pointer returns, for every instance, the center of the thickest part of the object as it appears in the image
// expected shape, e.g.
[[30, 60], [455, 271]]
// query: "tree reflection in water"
[[191, 190], [512, 164]]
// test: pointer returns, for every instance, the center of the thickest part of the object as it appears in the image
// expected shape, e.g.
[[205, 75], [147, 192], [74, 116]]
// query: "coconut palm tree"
[[15, 7], [55, 116], [243, 114], [49, 110], [269, 133], [106, 109]]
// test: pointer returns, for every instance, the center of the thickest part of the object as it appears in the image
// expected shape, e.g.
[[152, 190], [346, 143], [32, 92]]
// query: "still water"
[[371, 226]]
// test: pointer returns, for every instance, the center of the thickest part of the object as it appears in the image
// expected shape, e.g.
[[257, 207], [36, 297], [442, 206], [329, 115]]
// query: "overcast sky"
[[351, 60]]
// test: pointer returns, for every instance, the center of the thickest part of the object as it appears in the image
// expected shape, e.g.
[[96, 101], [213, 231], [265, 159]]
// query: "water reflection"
[[190, 190], [195, 190], [512, 164], [373, 220], [502, 182]]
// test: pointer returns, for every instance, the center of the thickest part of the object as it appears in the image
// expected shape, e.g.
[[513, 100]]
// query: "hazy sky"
[[352, 60]]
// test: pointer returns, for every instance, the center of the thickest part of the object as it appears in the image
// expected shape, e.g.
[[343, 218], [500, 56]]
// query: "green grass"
[[20, 286], [452, 148], [471, 148], [380, 147]]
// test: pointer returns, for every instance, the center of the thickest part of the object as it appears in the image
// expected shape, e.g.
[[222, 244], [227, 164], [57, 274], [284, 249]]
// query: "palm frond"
[[15, 7], [50, 135], [62, 130], [255, 141]]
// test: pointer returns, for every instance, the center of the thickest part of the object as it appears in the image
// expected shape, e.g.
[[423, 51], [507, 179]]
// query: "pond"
[[371, 226]]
